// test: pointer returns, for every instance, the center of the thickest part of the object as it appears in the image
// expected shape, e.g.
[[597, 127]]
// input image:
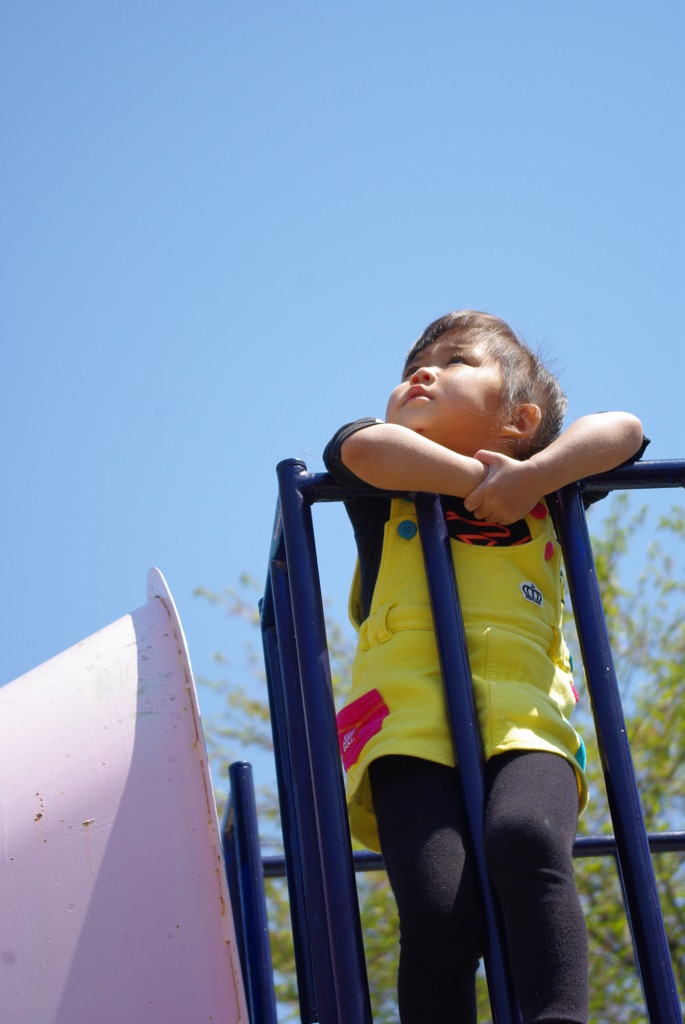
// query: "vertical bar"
[[233, 880], [337, 896], [632, 848], [287, 721], [311, 895], [257, 969], [456, 673]]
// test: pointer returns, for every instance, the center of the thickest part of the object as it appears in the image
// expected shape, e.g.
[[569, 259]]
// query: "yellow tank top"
[[511, 600]]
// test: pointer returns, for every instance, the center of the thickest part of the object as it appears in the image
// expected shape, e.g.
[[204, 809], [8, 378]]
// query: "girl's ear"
[[525, 422]]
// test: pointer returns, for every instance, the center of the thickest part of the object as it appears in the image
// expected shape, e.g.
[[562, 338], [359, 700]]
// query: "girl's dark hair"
[[524, 378]]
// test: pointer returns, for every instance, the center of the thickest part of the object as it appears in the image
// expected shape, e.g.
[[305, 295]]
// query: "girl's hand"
[[508, 492], [593, 444]]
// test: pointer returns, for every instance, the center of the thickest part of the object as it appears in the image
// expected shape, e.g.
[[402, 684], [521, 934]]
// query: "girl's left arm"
[[593, 444]]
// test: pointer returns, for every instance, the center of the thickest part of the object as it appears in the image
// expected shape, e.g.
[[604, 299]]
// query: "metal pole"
[[456, 673], [337, 897], [259, 971], [280, 658], [632, 848]]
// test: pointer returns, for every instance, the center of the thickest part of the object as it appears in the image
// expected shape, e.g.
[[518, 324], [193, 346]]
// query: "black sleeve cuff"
[[333, 459], [590, 497]]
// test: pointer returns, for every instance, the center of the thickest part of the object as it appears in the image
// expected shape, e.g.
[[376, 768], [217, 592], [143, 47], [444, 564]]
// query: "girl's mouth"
[[416, 391]]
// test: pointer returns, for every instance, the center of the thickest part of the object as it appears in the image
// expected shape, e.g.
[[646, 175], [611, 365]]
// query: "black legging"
[[530, 824]]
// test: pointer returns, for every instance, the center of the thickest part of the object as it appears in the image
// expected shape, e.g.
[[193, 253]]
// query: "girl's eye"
[[455, 359]]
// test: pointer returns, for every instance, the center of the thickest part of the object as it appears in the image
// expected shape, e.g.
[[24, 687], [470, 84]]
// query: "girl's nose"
[[422, 376]]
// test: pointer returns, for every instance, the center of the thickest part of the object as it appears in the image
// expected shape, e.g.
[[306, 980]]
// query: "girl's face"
[[451, 393]]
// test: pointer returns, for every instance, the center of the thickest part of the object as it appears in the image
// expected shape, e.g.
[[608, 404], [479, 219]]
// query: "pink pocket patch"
[[357, 723]]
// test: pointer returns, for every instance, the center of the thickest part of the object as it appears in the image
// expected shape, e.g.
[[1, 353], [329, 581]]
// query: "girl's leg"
[[530, 824], [421, 832]]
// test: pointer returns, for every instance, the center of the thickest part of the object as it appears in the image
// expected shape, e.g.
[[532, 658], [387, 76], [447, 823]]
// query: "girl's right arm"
[[394, 458]]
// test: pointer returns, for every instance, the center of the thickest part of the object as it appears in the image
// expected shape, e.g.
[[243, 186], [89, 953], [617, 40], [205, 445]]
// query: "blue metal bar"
[[307, 884], [584, 847], [632, 849], [228, 845], [603, 846], [639, 476], [257, 969], [456, 674], [307, 879], [279, 659], [345, 998]]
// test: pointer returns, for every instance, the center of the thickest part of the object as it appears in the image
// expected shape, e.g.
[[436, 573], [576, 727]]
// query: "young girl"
[[478, 420]]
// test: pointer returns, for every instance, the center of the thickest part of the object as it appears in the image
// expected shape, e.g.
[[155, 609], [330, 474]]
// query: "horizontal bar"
[[659, 473], [316, 487], [584, 846]]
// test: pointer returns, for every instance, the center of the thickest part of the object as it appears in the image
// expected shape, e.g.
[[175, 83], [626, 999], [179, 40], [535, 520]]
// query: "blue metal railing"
[[320, 866], [245, 873]]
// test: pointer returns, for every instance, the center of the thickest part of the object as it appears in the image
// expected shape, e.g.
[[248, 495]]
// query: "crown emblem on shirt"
[[531, 593]]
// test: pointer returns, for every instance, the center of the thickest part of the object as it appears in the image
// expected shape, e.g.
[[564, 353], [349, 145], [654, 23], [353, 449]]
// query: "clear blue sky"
[[223, 224]]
